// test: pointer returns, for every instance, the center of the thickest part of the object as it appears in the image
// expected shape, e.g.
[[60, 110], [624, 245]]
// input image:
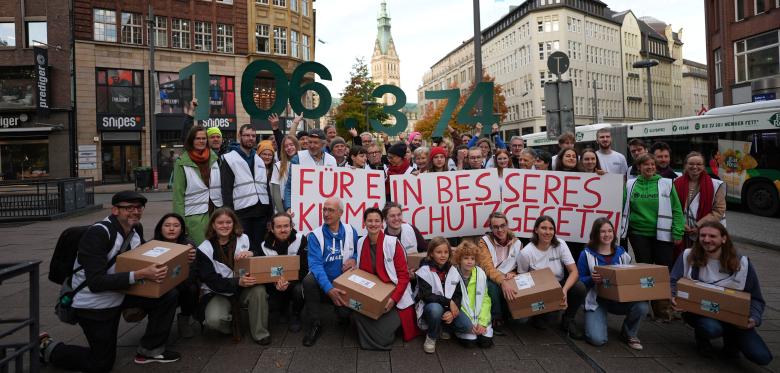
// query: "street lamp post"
[[647, 64], [368, 104]]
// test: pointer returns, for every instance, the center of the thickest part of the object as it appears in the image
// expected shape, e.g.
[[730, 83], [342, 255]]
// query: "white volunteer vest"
[[735, 281], [347, 245], [242, 244], [451, 281], [591, 303], [665, 215], [291, 250], [693, 207], [248, 190], [104, 299], [472, 310], [305, 159], [197, 194], [389, 251], [510, 263], [408, 239]]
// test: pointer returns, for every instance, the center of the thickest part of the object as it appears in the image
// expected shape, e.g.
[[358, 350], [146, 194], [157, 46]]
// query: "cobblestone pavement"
[[667, 347]]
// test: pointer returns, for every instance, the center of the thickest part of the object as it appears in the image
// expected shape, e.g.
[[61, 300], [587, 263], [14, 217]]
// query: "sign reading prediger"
[[42, 80]]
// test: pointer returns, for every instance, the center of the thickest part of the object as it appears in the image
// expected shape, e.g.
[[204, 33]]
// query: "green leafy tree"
[[351, 110]]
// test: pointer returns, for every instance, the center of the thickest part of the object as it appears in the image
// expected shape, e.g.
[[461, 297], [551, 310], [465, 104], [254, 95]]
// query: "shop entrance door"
[[119, 160]]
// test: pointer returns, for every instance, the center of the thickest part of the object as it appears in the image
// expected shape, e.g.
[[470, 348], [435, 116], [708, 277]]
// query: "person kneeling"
[[602, 250], [282, 239], [714, 260], [223, 293], [439, 294], [476, 306]]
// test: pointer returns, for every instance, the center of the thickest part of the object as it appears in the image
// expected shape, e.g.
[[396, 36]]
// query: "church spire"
[[383, 37]]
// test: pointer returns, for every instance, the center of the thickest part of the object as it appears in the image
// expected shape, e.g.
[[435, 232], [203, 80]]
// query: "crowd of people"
[[234, 202]]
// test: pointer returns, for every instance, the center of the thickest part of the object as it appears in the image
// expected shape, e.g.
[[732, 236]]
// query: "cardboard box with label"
[[268, 269], [413, 260], [634, 282], [538, 292], [717, 302], [155, 252], [366, 293]]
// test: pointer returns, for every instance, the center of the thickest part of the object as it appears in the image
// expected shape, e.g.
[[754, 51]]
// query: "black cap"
[[302, 133], [318, 133], [128, 196], [398, 149]]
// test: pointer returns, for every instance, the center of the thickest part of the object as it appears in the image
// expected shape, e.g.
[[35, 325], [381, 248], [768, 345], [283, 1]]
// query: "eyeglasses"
[[131, 208], [375, 153], [498, 227]]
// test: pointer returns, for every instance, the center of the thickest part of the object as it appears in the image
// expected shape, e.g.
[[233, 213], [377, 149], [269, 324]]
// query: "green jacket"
[[471, 289], [643, 214], [180, 179]]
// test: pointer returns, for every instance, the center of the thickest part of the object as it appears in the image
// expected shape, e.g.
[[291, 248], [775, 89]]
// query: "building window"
[[261, 2], [160, 31], [280, 3], [131, 28], [180, 34], [718, 69], [305, 7], [203, 36], [173, 93], [305, 48], [280, 40], [294, 5], [104, 25], [739, 9], [36, 34], [229, 2], [541, 51], [7, 34], [119, 92], [16, 86], [224, 38], [759, 6], [757, 57], [263, 44], [293, 43], [222, 96]]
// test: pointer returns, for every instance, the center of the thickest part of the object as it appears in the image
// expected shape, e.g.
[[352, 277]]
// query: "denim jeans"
[[735, 339], [432, 313], [497, 302], [596, 320]]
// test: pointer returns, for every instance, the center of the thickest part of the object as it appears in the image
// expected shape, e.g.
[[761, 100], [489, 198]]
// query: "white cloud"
[[426, 30]]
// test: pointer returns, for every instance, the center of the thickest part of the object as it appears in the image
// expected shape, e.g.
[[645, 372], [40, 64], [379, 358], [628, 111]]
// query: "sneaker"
[[633, 343], [570, 328], [445, 335], [498, 328], [165, 357], [430, 345], [265, 341], [44, 339]]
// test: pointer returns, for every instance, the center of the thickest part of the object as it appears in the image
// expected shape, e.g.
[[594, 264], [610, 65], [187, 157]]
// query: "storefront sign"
[[120, 122], [9, 122], [87, 157], [228, 124], [42, 80]]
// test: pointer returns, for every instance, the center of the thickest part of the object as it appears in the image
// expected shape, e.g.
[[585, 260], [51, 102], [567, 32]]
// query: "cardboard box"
[[539, 292], [727, 305], [366, 293], [634, 282], [155, 252], [413, 260], [268, 269]]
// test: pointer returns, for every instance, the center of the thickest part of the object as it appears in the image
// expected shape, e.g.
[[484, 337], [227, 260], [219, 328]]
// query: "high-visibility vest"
[[451, 282], [510, 262], [197, 194], [665, 215], [242, 244], [247, 190], [388, 248]]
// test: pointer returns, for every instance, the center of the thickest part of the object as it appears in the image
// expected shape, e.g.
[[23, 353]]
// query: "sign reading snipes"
[[120, 122]]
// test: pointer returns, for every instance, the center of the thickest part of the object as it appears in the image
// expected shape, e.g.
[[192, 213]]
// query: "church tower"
[[385, 65]]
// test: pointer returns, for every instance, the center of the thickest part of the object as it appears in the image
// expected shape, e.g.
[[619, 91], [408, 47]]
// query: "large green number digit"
[[483, 90], [297, 91], [452, 96], [201, 86], [395, 110], [248, 88]]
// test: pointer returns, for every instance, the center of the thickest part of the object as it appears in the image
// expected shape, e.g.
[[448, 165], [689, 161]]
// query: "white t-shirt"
[[555, 258], [275, 179], [613, 163]]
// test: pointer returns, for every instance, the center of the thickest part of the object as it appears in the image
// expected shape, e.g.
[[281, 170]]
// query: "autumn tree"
[[351, 112], [428, 123]]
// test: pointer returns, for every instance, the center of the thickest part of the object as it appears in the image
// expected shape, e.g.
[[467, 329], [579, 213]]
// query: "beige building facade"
[[694, 87]]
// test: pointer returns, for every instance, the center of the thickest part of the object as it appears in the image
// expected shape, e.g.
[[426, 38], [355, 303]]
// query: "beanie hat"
[[398, 149], [265, 145], [436, 150], [413, 136], [213, 131], [336, 141]]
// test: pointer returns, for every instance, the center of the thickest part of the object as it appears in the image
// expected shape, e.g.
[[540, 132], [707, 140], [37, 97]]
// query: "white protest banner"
[[574, 200], [311, 186], [449, 204]]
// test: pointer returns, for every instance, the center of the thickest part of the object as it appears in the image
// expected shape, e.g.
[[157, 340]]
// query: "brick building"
[[36, 121], [743, 44]]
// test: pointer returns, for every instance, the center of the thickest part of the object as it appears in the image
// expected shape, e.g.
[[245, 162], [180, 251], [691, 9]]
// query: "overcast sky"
[[425, 30]]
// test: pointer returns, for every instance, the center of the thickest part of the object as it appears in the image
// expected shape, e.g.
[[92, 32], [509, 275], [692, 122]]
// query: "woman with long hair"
[[290, 148], [438, 161], [566, 160], [713, 260], [223, 293], [502, 160], [358, 157], [458, 159], [589, 162]]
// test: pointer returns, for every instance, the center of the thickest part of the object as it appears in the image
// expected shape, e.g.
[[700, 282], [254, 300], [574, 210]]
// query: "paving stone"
[[414, 359], [564, 364], [274, 360], [536, 351], [327, 359], [240, 358], [618, 364], [514, 366]]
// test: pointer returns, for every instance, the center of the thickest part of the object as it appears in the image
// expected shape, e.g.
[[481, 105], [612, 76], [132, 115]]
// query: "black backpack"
[[61, 266]]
